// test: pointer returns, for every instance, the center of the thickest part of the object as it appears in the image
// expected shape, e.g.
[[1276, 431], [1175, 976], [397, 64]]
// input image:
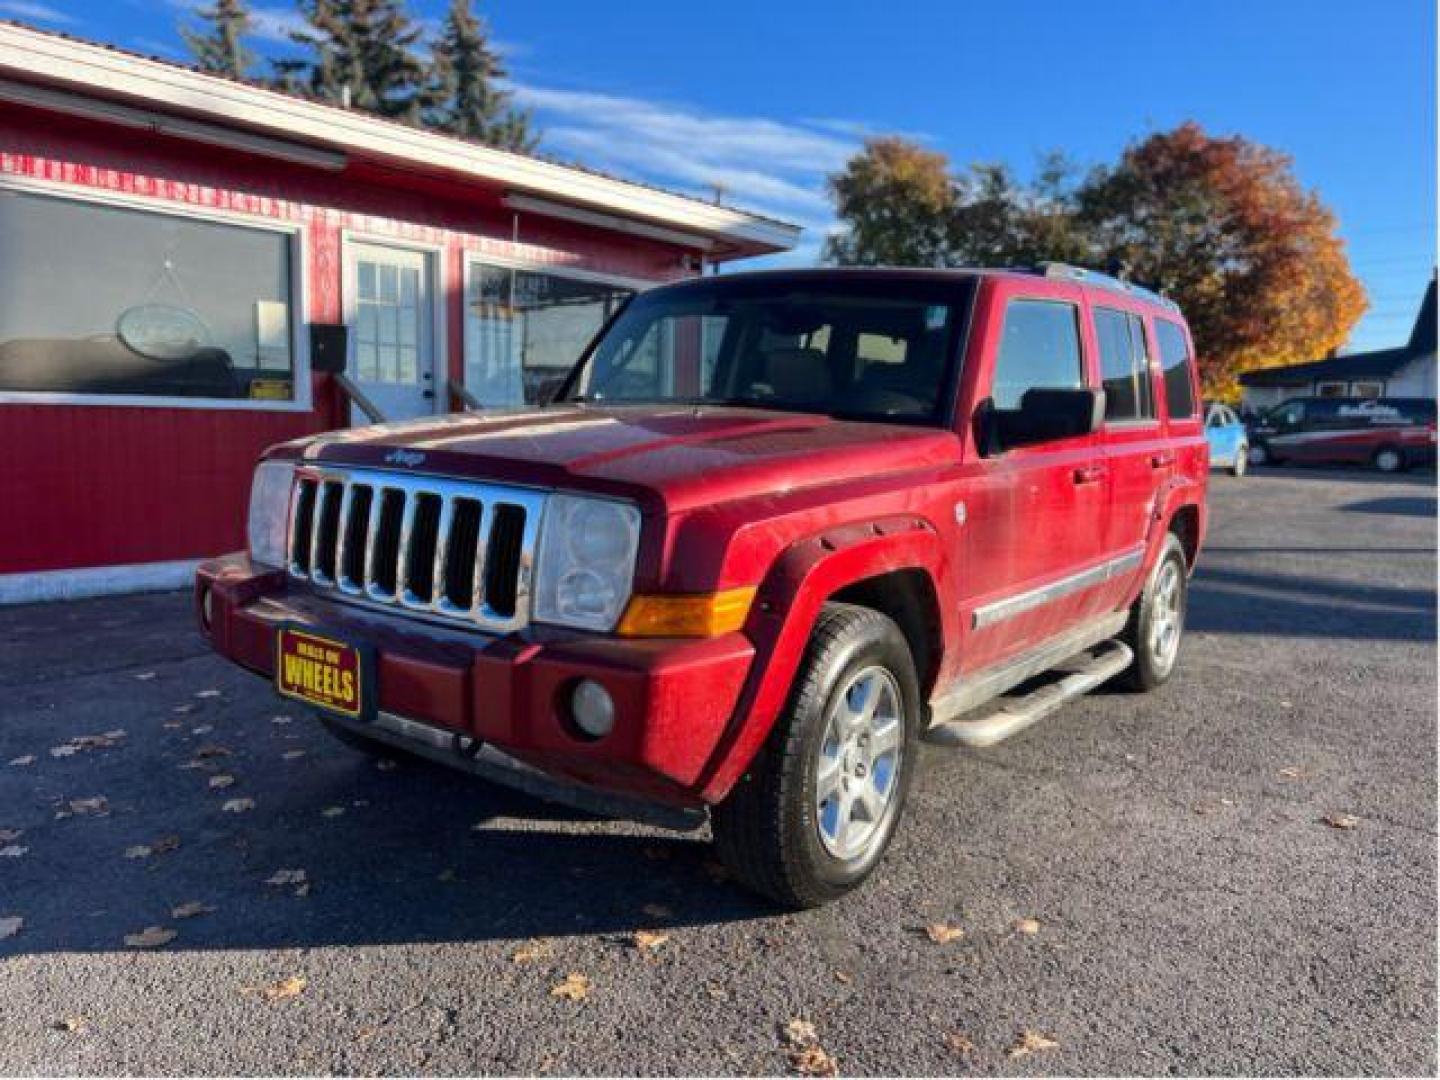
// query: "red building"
[[178, 250]]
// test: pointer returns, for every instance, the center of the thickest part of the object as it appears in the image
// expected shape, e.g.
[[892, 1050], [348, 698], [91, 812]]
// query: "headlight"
[[269, 512], [586, 562]]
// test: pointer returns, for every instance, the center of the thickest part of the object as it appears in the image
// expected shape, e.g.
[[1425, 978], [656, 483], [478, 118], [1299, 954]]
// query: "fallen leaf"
[[574, 987], [844, 977], [802, 1047], [291, 755], [166, 843], [12, 851], [943, 933], [649, 940], [1341, 821], [10, 926], [280, 719], [190, 909], [223, 780], [1287, 704], [64, 750], [207, 693], [138, 851], [172, 725], [1027, 926], [212, 751], [24, 759], [96, 806], [303, 889], [75, 1024], [202, 729], [7, 835], [530, 952], [1290, 772], [238, 806], [183, 709], [285, 988], [959, 1045], [152, 937], [286, 877], [1030, 1042], [658, 911], [145, 676], [332, 811]]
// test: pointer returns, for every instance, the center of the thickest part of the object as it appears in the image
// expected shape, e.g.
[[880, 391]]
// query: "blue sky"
[[764, 99]]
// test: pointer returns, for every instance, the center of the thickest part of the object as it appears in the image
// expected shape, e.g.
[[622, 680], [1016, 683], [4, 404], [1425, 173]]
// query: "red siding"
[[89, 485]]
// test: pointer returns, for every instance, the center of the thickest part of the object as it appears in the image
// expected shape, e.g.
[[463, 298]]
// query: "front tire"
[[1157, 621], [1240, 465], [1389, 459], [814, 814]]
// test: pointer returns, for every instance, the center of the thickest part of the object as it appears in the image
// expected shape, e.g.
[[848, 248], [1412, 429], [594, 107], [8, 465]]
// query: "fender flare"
[[785, 610]]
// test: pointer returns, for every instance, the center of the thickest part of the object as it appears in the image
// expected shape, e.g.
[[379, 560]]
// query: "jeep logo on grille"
[[408, 458]]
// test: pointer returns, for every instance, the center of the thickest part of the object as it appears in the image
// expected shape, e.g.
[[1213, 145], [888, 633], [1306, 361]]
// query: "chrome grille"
[[451, 549]]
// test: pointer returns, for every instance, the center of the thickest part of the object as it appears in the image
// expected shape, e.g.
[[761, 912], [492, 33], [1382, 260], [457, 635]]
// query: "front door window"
[[392, 331]]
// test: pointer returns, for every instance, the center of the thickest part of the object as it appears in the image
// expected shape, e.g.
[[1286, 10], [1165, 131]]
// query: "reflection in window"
[[1039, 349], [526, 328], [1124, 365], [107, 300], [388, 312]]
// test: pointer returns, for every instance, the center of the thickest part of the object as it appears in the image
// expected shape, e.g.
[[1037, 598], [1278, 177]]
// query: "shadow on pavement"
[[1402, 505], [1225, 601]]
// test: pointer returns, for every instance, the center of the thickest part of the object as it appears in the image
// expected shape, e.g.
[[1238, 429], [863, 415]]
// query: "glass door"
[[391, 315]]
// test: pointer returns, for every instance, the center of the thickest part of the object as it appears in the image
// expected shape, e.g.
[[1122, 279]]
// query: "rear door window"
[[1175, 363], [1124, 366], [1039, 349]]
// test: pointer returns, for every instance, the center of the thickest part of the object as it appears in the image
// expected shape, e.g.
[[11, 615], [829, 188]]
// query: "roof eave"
[[33, 56]]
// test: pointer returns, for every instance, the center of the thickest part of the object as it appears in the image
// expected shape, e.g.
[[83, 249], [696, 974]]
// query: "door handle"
[[1159, 461], [1089, 474]]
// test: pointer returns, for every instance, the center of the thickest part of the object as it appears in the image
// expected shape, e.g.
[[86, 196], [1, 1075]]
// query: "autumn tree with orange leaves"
[[1221, 225]]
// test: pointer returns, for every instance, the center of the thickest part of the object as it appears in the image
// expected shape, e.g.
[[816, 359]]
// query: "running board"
[[1104, 664]]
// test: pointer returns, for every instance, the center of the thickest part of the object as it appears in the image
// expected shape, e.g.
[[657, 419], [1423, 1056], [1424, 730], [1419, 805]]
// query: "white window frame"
[[439, 303], [469, 256], [299, 300]]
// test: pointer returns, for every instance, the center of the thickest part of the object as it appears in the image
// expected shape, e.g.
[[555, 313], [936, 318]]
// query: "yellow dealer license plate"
[[320, 670]]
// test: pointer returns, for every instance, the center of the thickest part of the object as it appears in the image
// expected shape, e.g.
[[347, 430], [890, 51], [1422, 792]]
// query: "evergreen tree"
[[361, 56], [465, 99], [221, 49]]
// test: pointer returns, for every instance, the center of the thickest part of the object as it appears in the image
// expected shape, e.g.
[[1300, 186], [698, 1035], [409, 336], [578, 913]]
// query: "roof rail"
[[1065, 272]]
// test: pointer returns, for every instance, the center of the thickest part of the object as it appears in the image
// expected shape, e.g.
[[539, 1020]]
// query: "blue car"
[[1229, 444]]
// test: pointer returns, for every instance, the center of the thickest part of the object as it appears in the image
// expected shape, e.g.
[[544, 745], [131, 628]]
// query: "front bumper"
[[674, 698]]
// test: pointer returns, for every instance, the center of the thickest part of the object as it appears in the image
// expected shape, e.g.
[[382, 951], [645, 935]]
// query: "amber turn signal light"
[[696, 615]]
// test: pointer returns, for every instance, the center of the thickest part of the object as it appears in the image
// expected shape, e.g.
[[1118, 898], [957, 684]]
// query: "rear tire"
[[1157, 621], [1260, 455], [812, 817], [1389, 459]]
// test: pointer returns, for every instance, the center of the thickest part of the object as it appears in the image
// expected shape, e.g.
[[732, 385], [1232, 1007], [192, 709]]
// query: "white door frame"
[[350, 242]]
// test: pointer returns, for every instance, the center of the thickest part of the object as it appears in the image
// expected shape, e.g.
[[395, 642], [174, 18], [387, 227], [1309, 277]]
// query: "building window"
[[1124, 366], [1331, 389], [1367, 390], [524, 330], [1175, 363], [1039, 348], [101, 300]]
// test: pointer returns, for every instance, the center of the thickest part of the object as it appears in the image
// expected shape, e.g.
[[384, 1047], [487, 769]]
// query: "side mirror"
[[1044, 415]]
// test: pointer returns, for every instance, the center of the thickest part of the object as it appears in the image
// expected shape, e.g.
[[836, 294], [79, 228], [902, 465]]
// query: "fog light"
[[592, 709]]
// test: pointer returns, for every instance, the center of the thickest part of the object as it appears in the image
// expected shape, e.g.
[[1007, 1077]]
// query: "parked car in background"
[[1228, 439], [1389, 433], [774, 529]]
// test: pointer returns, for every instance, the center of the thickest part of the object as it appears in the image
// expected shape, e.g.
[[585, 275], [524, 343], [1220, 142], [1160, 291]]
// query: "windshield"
[[860, 349]]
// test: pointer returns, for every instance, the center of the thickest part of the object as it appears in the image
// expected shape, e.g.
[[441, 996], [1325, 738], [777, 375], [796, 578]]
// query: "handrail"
[[466, 398], [356, 395]]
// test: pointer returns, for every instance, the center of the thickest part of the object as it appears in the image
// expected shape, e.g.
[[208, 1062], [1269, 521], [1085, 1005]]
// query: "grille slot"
[[458, 551]]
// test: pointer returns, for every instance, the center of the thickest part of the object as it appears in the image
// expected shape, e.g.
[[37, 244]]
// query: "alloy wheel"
[[857, 771]]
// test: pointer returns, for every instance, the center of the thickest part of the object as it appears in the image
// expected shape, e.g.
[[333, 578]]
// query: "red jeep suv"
[[772, 530]]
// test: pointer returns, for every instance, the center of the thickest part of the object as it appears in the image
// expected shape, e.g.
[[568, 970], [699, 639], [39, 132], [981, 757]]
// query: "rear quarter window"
[[1175, 363]]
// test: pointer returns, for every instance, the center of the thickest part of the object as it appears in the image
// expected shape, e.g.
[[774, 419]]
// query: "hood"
[[668, 459]]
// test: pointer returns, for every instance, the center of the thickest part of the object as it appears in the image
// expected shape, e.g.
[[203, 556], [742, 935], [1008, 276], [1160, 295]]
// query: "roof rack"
[[1065, 272]]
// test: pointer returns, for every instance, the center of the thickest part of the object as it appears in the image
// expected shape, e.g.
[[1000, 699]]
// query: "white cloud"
[[34, 11], [275, 25], [773, 167]]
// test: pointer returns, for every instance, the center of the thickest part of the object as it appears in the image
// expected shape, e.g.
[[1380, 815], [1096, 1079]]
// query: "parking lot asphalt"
[[1193, 911]]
